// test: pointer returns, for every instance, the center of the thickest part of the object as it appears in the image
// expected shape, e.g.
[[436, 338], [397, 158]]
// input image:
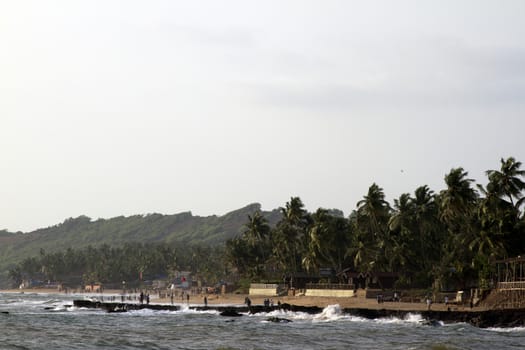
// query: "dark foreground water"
[[30, 321]]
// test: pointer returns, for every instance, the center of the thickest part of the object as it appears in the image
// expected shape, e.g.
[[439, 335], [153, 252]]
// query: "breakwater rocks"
[[483, 319]]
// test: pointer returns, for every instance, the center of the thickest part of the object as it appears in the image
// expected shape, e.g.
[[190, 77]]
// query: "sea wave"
[[507, 330]]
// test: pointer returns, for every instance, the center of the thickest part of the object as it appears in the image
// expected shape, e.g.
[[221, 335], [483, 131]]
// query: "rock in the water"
[[433, 323], [278, 319], [230, 313]]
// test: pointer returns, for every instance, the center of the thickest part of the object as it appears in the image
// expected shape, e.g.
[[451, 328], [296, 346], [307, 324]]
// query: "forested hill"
[[82, 231]]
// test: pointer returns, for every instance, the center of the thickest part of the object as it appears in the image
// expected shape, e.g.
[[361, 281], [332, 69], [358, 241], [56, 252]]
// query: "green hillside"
[[151, 228]]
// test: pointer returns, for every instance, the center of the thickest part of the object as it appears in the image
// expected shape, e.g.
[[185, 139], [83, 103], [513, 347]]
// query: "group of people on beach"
[[381, 299], [268, 302], [182, 297], [143, 297]]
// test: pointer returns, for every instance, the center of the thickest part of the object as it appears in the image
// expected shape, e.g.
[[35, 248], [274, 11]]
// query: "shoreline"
[[298, 300], [360, 307], [481, 319]]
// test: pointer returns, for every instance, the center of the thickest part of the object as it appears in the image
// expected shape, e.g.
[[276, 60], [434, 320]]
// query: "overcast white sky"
[[114, 108]]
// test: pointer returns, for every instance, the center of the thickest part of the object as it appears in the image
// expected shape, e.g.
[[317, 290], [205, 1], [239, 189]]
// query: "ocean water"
[[47, 321]]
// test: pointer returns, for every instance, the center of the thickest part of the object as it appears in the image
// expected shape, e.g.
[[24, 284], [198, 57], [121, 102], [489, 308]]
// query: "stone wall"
[[269, 290], [337, 293]]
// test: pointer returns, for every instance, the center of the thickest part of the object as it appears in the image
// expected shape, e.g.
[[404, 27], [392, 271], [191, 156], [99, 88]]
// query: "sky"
[[121, 107]]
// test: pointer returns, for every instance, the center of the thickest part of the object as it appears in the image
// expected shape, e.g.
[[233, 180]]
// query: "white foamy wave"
[[56, 305], [291, 315], [331, 313], [187, 309], [184, 310], [413, 318], [507, 330], [143, 312], [408, 319]]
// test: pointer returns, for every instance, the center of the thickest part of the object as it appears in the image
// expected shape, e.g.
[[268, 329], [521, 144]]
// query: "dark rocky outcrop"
[[230, 313], [482, 319], [278, 320]]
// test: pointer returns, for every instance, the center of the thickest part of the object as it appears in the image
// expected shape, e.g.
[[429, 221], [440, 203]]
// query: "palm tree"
[[506, 181], [374, 208], [402, 215], [294, 212], [238, 255], [257, 229], [498, 212], [459, 198], [372, 242], [256, 235], [429, 231], [289, 237], [328, 241], [457, 205]]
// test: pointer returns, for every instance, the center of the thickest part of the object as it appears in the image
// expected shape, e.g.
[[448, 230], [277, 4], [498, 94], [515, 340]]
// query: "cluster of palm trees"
[[131, 262], [448, 239]]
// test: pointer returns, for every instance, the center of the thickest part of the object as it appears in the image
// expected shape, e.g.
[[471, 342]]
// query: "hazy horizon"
[[112, 108]]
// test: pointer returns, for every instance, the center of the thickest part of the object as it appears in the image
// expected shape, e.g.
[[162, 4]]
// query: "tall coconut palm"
[[256, 234], [507, 181], [328, 241], [289, 237], [459, 198], [457, 204], [294, 212], [402, 215], [256, 229], [374, 209], [430, 235], [372, 240], [499, 209]]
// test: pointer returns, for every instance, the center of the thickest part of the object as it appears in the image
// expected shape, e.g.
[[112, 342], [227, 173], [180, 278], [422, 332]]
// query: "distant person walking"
[[205, 301]]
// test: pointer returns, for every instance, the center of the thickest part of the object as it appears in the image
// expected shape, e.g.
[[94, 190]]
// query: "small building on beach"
[[508, 284], [266, 289]]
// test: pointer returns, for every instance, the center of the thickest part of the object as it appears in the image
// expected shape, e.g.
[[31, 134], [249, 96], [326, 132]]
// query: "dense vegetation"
[[443, 240], [82, 232], [134, 263]]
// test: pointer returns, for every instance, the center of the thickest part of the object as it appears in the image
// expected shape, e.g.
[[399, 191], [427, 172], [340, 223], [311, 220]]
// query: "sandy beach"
[[300, 300]]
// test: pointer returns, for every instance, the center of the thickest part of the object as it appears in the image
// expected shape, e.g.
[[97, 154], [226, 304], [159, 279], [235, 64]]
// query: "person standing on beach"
[[205, 301]]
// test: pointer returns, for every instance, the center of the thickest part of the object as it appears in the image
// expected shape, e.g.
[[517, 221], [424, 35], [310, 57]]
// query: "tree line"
[[446, 239], [439, 239], [134, 263]]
